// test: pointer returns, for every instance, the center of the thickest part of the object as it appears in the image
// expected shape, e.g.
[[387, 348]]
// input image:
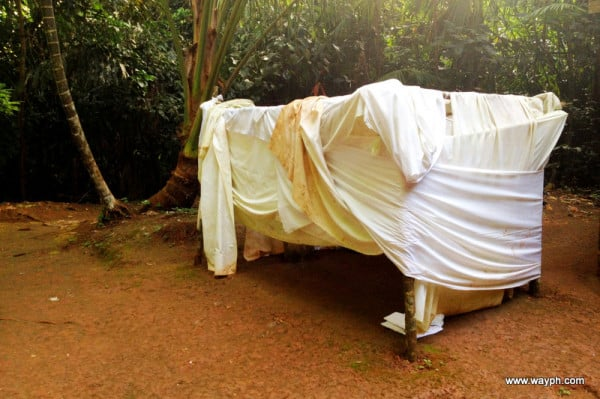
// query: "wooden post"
[[295, 253], [200, 258], [534, 287], [410, 323]]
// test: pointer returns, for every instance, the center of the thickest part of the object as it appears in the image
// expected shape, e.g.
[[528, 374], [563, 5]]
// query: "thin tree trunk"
[[112, 207], [596, 85], [379, 44], [21, 92]]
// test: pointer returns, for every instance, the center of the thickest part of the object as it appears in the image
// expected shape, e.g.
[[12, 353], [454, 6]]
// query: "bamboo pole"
[[410, 323]]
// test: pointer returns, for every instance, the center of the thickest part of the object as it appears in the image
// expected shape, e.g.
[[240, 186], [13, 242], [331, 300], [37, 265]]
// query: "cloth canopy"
[[447, 185]]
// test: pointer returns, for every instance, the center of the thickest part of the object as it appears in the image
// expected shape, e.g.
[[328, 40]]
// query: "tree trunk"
[[112, 207], [378, 40], [182, 188], [410, 323], [215, 23], [21, 92], [596, 87]]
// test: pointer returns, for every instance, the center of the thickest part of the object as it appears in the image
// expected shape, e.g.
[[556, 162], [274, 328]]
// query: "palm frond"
[[554, 10]]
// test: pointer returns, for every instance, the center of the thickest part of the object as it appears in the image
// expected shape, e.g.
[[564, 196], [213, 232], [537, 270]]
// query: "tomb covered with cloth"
[[449, 186]]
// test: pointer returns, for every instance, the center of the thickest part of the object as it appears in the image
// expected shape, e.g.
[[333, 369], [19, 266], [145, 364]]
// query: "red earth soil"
[[121, 311]]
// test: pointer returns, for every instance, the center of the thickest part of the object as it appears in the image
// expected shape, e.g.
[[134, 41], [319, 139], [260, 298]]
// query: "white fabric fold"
[[454, 201]]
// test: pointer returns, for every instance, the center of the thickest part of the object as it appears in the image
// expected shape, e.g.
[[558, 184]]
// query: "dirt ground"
[[121, 312]]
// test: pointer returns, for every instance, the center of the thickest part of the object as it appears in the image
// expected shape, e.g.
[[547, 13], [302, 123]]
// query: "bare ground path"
[[121, 312]]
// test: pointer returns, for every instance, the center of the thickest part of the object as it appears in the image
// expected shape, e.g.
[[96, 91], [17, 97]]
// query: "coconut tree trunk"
[[215, 23], [112, 207], [182, 187], [21, 93]]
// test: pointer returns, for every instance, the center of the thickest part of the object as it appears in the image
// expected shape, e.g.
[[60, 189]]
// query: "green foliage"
[[7, 106], [320, 42], [545, 47], [518, 47], [8, 141], [562, 391], [125, 83], [427, 364], [575, 162], [122, 63], [212, 38], [134, 63]]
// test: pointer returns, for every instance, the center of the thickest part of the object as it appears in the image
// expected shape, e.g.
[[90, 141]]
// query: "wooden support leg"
[[410, 323], [508, 294], [534, 287], [295, 253], [199, 258]]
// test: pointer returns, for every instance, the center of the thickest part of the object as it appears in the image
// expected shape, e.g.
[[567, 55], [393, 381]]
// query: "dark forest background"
[[121, 62]]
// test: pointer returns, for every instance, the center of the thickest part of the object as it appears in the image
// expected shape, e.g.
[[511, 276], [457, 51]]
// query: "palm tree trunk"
[[182, 188], [21, 93], [215, 23], [112, 207]]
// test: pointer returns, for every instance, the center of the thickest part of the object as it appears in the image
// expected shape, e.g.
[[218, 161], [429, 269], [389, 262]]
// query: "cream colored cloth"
[[454, 202]]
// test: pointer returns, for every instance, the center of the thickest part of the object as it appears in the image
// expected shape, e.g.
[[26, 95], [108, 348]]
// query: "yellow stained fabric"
[[453, 202], [296, 144]]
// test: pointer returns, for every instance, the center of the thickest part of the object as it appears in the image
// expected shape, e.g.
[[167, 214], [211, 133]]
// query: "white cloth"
[[454, 201]]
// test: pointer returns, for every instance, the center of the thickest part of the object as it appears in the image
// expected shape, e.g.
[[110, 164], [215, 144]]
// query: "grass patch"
[[359, 365], [562, 391], [104, 250]]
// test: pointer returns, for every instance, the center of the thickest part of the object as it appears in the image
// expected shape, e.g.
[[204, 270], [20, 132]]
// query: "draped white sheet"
[[454, 201]]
